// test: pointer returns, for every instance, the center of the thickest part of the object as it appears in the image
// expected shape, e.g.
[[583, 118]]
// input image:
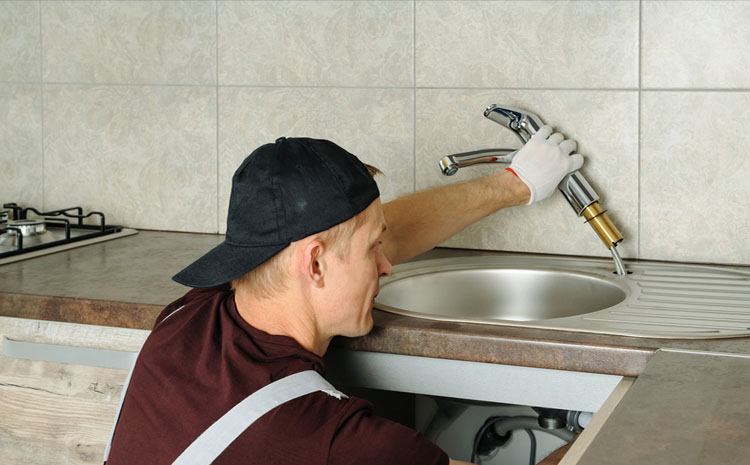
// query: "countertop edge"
[[79, 310], [386, 337]]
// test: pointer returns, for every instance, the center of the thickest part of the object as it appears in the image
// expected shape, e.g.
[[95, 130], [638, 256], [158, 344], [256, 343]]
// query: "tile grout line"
[[216, 96], [263, 86], [640, 84], [41, 100], [414, 94]]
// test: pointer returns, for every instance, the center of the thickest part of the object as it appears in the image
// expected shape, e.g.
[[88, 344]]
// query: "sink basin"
[[654, 300], [517, 294]]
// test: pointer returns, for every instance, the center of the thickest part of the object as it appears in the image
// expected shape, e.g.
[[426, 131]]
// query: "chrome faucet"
[[577, 191]]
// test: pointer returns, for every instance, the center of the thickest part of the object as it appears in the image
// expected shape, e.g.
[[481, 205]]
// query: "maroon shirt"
[[202, 360]]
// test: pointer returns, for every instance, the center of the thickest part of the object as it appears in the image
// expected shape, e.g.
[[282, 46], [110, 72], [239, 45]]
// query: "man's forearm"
[[420, 221]]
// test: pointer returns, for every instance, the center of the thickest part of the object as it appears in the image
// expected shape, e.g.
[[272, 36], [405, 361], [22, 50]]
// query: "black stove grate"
[[63, 221]]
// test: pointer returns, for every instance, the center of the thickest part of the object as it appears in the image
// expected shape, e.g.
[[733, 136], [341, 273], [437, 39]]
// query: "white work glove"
[[544, 161]]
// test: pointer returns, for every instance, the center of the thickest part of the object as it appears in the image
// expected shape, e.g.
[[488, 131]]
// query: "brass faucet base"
[[597, 217]]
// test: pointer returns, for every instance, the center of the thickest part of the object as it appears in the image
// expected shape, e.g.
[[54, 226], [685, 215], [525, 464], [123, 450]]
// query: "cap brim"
[[224, 263]]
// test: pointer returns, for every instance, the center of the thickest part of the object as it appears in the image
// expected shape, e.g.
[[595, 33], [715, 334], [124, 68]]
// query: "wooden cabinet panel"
[[53, 412]]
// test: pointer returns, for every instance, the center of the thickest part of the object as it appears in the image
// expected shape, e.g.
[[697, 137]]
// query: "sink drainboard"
[[682, 304]]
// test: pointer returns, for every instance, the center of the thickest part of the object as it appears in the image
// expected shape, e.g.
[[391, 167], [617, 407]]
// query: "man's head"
[[272, 276], [343, 287], [330, 278], [301, 211]]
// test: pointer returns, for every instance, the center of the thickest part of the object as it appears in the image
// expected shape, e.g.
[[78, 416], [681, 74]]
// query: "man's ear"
[[313, 264]]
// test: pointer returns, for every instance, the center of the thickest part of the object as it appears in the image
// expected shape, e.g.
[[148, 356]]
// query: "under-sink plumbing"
[[577, 191]]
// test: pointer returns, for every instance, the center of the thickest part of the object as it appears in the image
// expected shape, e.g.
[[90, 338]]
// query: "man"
[[307, 240]]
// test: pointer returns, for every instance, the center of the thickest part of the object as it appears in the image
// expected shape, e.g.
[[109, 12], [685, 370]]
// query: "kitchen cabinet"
[[60, 386], [484, 390]]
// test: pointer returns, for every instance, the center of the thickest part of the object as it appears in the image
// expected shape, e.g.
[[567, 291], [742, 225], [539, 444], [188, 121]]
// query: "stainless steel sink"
[[517, 294], [655, 300]]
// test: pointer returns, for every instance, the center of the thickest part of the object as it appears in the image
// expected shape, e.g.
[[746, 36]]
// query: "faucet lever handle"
[[521, 122]]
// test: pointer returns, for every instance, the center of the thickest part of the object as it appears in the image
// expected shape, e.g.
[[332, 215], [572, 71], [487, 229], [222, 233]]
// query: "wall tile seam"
[[21, 83], [216, 96], [414, 96], [253, 86], [229, 86], [123, 84], [597, 89], [41, 103], [638, 126], [140, 84], [695, 89]]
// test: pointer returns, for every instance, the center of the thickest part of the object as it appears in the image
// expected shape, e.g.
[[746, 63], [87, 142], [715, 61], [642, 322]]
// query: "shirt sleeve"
[[366, 439]]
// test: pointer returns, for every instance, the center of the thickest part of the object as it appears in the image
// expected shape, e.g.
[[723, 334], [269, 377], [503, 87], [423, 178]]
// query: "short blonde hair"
[[271, 277]]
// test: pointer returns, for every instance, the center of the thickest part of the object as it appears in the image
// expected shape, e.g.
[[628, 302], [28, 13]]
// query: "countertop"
[[126, 282], [685, 408]]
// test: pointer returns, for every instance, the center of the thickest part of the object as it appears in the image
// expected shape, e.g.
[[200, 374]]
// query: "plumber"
[[307, 240]]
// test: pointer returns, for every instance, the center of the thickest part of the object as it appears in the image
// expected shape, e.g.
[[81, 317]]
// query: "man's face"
[[354, 279]]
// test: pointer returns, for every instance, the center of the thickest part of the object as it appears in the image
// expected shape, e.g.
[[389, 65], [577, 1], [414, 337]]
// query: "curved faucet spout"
[[450, 164]]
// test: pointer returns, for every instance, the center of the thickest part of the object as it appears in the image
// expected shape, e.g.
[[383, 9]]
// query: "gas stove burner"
[[26, 227], [27, 232], [5, 216]]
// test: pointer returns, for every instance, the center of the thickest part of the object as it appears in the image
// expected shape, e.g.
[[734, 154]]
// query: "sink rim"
[[408, 272], [636, 322]]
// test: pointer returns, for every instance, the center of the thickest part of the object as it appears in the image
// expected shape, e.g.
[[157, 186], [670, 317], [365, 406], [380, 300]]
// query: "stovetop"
[[27, 232]]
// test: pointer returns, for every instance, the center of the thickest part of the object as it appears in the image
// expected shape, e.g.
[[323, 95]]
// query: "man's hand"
[[544, 161]]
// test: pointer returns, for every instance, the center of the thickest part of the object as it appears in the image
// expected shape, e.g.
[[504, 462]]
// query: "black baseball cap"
[[283, 192]]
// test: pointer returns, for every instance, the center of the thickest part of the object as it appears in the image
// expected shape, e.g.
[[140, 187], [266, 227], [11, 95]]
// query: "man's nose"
[[385, 266]]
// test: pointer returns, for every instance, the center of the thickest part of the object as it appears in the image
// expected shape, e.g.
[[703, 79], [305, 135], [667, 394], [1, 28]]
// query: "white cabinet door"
[[58, 398]]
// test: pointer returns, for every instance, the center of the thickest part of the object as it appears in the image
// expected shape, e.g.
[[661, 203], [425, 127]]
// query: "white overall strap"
[[212, 442]]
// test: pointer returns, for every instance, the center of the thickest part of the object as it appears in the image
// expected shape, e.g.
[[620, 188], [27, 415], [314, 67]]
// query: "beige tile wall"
[[364, 44], [20, 143], [524, 44], [129, 42], [144, 109], [143, 154]]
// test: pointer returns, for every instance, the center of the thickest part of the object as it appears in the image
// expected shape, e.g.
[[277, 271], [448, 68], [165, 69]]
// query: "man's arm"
[[458, 462], [420, 221]]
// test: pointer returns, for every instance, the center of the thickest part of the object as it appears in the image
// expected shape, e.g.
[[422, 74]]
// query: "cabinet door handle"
[[104, 358]]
